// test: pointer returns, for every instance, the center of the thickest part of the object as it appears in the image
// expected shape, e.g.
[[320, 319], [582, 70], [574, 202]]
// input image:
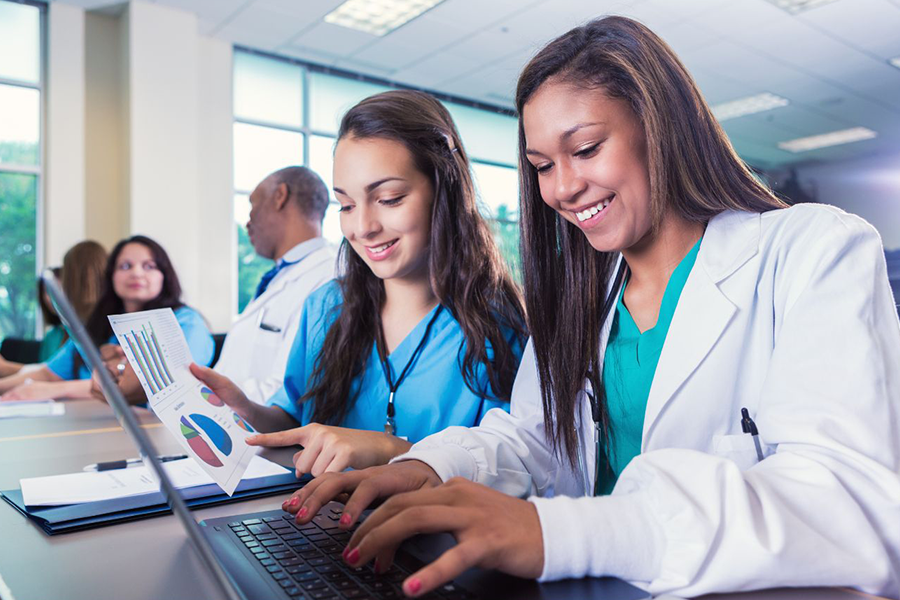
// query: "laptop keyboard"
[[306, 561]]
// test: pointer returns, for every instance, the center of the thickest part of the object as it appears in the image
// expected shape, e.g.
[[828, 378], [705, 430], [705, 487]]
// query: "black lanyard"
[[390, 425], [595, 403]]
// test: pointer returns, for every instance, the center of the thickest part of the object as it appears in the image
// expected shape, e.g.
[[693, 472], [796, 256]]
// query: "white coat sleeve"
[[824, 509], [507, 451]]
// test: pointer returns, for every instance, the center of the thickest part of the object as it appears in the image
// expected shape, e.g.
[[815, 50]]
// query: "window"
[[289, 114], [20, 165]]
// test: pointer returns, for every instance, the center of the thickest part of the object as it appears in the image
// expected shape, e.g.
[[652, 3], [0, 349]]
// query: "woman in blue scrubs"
[[139, 276], [425, 328]]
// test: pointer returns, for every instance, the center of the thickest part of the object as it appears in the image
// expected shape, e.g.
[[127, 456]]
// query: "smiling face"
[[385, 206], [590, 155], [137, 279]]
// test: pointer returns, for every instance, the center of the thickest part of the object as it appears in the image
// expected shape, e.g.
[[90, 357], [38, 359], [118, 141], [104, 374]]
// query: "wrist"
[[395, 447]]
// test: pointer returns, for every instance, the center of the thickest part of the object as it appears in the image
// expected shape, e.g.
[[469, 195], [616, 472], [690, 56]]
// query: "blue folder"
[[88, 515]]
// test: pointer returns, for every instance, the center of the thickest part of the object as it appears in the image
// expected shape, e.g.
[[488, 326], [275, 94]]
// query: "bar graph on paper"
[[145, 346], [155, 347]]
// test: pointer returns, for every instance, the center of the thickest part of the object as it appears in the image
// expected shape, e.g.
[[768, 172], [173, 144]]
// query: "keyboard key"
[[275, 542], [300, 545], [280, 576], [278, 525], [305, 576], [283, 554], [322, 595], [352, 593], [266, 536], [273, 568], [260, 553], [252, 522], [310, 554], [241, 530], [290, 536], [270, 519], [298, 569], [326, 569], [267, 562], [313, 584], [286, 583], [235, 524], [317, 537], [318, 561], [293, 591], [254, 529], [290, 561], [246, 538]]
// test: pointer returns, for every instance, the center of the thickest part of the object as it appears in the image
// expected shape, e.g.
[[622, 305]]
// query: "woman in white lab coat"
[[725, 300]]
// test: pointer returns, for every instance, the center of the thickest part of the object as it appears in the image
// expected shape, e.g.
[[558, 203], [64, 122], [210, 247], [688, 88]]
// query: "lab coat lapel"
[[703, 311]]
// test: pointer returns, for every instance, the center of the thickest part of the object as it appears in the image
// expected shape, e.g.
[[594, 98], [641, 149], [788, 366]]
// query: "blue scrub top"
[[199, 340], [433, 396]]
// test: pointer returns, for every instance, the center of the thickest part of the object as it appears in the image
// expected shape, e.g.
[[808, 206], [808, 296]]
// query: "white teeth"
[[593, 210], [382, 248]]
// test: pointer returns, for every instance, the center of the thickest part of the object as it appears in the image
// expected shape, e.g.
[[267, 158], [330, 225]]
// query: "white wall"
[[64, 199], [868, 187], [157, 155]]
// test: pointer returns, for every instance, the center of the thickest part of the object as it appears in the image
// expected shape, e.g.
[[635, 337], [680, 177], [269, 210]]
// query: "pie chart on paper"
[[218, 436], [211, 397], [242, 423], [198, 445]]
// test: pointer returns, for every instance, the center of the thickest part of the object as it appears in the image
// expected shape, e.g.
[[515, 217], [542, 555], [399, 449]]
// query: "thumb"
[[290, 437], [214, 380]]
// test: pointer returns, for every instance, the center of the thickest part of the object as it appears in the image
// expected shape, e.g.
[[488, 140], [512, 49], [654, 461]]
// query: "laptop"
[[267, 555]]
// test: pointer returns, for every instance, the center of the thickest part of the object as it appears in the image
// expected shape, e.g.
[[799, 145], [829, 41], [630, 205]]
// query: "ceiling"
[[831, 62]]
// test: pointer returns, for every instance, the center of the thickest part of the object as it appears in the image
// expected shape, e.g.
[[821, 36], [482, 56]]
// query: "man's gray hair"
[[305, 188]]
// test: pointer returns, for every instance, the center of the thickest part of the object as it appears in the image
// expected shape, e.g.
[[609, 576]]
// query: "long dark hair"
[[693, 171], [97, 325], [467, 272]]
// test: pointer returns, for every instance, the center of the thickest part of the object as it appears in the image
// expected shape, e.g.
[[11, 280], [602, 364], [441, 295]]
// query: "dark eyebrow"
[[565, 135], [372, 186]]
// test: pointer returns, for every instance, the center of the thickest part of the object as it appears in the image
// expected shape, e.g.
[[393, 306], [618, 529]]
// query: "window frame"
[[36, 170]]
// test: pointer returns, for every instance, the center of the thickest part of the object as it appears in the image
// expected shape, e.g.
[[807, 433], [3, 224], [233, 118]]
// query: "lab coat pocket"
[[739, 448]]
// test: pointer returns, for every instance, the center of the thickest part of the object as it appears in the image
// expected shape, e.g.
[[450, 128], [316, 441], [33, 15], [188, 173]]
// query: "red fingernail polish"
[[345, 552], [295, 501], [302, 513], [345, 519], [413, 586], [353, 556]]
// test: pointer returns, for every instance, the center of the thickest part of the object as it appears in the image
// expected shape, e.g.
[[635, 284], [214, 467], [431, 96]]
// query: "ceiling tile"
[[333, 39], [872, 25], [259, 28], [388, 55]]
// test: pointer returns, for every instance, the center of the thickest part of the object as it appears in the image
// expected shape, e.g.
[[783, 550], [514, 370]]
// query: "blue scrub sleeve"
[[62, 363], [317, 315], [197, 334]]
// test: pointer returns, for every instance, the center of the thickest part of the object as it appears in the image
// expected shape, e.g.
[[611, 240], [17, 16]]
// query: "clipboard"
[[55, 520]]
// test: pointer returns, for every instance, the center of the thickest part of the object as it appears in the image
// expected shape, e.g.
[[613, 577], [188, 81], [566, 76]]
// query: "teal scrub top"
[[197, 334], [628, 369], [433, 396], [52, 342]]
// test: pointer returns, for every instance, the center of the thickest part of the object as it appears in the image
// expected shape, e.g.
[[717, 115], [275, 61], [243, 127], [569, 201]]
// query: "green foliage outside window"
[[251, 267], [18, 222]]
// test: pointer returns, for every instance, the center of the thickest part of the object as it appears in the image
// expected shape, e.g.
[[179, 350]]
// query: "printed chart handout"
[[208, 430]]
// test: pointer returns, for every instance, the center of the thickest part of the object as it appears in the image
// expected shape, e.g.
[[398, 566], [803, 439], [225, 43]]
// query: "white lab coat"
[[255, 357], [788, 314]]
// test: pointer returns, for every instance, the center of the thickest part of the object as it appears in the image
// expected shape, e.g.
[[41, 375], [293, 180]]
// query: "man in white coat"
[[286, 212]]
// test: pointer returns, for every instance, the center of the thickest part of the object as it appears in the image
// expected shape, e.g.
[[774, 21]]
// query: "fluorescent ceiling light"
[[844, 136], [378, 17], [895, 62], [748, 106], [798, 6]]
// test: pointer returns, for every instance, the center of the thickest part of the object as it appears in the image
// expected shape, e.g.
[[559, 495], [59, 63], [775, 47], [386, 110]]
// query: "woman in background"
[[84, 263], [138, 276]]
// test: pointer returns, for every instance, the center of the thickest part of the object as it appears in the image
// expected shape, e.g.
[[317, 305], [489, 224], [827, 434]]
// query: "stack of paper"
[[92, 486], [41, 408]]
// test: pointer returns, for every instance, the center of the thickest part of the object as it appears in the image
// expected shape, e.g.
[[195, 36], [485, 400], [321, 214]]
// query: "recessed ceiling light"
[[798, 6], [895, 62], [378, 17], [748, 106], [835, 138]]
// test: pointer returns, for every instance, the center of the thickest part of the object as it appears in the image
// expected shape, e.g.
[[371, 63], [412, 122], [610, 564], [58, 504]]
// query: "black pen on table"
[[748, 426], [129, 462]]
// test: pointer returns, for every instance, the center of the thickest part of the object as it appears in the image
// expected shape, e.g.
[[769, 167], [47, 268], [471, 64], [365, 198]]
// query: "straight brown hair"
[[693, 169]]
